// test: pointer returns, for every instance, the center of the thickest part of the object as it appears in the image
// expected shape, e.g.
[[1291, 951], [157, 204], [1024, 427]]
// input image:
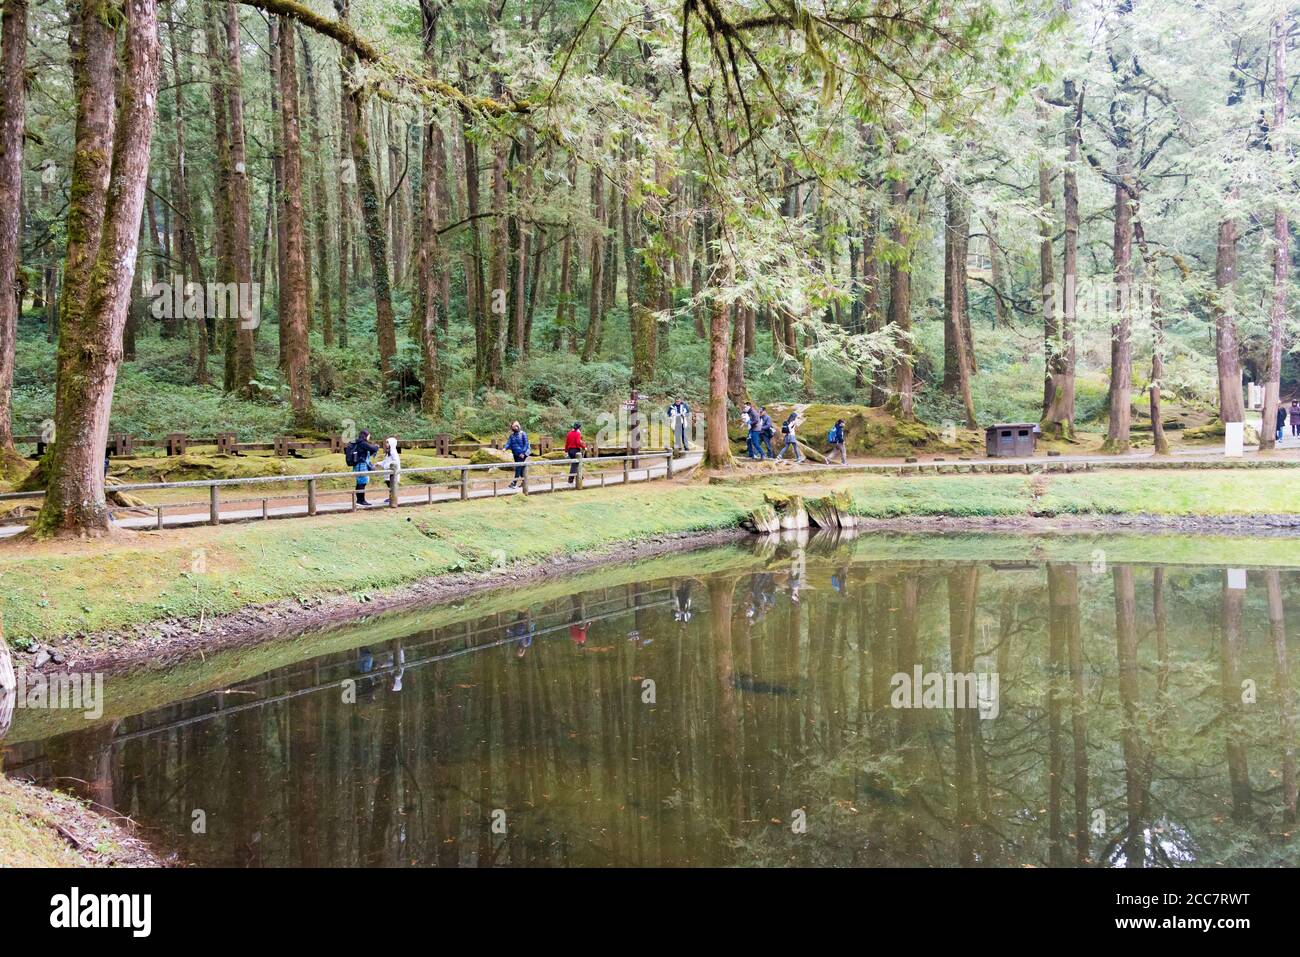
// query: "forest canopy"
[[441, 216]]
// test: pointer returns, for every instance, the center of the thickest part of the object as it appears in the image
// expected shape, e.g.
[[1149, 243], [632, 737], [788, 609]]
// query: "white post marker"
[[1237, 579], [1234, 435]]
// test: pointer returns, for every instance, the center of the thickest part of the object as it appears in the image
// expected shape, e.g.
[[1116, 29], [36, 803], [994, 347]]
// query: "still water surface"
[[738, 707]]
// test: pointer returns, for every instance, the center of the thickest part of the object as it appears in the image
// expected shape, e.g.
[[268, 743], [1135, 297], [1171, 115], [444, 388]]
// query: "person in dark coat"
[[364, 449], [1294, 413], [1281, 421], [517, 445]]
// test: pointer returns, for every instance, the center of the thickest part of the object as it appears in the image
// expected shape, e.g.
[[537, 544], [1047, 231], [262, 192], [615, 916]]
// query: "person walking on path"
[[392, 461], [679, 413], [835, 439], [791, 440], [749, 419], [1294, 413], [517, 445], [573, 446], [1281, 421], [765, 432], [357, 455]]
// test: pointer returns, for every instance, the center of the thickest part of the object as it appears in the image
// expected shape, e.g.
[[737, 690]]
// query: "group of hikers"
[[761, 430], [360, 454], [1283, 413]]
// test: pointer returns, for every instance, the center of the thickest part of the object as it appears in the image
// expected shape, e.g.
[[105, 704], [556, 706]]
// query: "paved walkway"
[[239, 511]]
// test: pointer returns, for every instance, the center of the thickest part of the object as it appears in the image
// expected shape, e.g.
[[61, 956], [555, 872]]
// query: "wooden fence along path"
[[461, 482]]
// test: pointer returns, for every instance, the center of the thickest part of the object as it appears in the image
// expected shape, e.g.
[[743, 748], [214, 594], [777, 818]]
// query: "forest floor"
[[42, 828], [135, 595]]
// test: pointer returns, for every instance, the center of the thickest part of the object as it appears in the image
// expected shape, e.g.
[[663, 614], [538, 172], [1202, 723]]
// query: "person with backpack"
[[1281, 421], [765, 433], [357, 455], [791, 441], [573, 446], [517, 445], [835, 439], [679, 413]]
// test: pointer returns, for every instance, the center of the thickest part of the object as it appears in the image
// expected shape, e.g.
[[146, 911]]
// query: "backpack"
[[830, 436], [785, 427], [350, 454]]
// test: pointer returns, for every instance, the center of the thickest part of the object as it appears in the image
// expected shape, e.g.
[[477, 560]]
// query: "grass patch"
[[58, 589]]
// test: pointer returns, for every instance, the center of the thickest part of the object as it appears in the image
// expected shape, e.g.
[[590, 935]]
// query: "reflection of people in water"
[[521, 629], [365, 661], [762, 595], [840, 580], [682, 601], [399, 666], [578, 623]]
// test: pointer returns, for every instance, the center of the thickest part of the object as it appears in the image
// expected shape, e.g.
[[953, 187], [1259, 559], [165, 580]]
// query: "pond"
[[878, 701]]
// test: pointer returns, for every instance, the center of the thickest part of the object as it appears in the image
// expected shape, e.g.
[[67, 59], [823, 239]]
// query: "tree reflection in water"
[[1146, 718]]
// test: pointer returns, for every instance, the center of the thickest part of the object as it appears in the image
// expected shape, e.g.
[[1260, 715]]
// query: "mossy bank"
[[116, 593]]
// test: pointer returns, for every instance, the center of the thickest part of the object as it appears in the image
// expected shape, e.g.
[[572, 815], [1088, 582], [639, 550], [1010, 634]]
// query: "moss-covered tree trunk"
[[320, 200], [428, 257], [294, 319], [376, 240], [717, 450], [103, 239], [241, 254], [1058, 420], [900, 293], [13, 58]]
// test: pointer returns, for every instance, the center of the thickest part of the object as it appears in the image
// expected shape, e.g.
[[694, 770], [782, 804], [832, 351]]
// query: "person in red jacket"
[[573, 446]]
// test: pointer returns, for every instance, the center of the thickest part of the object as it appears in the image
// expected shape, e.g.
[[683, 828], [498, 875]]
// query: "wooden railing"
[[646, 462]]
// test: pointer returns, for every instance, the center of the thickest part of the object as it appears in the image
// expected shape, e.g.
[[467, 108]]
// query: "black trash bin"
[[1010, 439]]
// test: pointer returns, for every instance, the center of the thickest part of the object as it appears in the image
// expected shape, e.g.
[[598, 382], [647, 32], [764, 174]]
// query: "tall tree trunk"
[[429, 259], [241, 253], [13, 70], [1058, 420], [1120, 399], [293, 295], [1281, 244], [103, 239], [347, 179], [900, 294], [717, 450], [1046, 273], [595, 300], [376, 239], [957, 366], [320, 200], [185, 212]]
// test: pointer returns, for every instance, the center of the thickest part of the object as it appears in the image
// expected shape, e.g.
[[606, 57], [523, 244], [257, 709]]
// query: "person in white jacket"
[[391, 461]]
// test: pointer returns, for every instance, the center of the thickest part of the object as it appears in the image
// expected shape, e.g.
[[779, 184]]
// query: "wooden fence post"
[[392, 489], [214, 505], [311, 496], [525, 478], [464, 484], [668, 464]]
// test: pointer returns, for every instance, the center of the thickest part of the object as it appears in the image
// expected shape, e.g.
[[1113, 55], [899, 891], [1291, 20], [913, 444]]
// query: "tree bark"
[[900, 295], [13, 58], [957, 365], [1058, 420], [294, 320], [103, 239], [320, 200], [1281, 245], [240, 206]]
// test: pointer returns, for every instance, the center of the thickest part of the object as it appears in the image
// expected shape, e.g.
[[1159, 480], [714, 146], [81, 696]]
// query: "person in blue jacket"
[[363, 449], [835, 439], [517, 445], [679, 414]]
